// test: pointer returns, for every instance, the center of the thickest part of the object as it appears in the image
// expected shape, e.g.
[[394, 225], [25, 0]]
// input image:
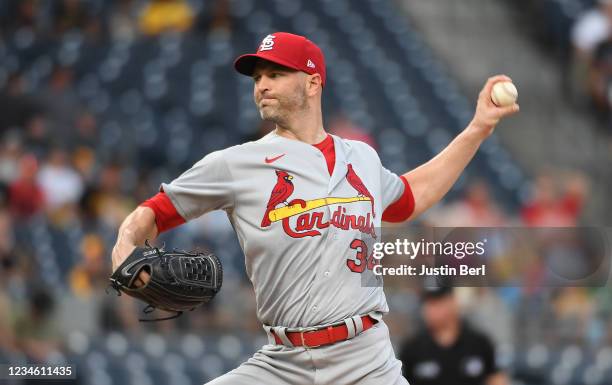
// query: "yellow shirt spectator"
[[166, 15]]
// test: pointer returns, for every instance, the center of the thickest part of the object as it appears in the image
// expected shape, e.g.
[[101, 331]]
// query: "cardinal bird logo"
[[281, 191], [358, 185]]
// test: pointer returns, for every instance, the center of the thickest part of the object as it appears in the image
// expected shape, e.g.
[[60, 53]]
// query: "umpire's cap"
[[434, 288]]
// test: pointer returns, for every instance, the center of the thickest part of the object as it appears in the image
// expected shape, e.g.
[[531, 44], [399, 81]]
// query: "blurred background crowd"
[[579, 34], [101, 101]]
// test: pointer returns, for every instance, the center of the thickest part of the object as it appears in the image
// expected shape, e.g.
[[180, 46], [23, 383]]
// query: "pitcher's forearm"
[[134, 231]]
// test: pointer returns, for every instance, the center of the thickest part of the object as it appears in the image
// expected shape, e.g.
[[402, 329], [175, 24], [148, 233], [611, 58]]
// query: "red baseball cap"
[[288, 50]]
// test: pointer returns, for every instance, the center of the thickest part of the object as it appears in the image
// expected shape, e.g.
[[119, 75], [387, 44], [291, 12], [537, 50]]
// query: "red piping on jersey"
[[327, 148], [401, 209], [166, 216]]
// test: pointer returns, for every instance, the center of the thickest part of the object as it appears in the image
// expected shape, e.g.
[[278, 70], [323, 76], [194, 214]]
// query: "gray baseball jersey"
[[302, 231]]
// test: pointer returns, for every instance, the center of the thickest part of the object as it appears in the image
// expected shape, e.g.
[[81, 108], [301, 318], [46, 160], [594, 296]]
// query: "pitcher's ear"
[[314, 81]]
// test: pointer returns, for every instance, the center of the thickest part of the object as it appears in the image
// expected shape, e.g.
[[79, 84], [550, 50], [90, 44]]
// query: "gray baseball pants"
[[366, 359]]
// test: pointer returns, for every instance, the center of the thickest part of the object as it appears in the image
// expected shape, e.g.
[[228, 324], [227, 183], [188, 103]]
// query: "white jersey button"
[[315, 308], [326, 273]]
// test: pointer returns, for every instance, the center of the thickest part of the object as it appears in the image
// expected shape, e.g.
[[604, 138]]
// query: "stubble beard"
[[285, 108]]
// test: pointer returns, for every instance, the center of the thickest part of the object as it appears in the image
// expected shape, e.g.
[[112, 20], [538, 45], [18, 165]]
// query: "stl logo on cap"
[[267, 43], [288, 50]]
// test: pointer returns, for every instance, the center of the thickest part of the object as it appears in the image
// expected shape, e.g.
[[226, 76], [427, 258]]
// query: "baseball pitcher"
[[304, 205]]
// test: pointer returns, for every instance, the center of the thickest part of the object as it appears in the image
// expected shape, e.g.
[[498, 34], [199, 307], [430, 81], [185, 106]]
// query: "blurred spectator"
[[87, 282], [86, 130], [218, 21], [448, 351], [7, 239], [17, 107], [476, 209], [71, 14], [37, 136], [91, 274], [20, 14], [84, 162], [7, 337], [60, 100], [123, 20], [10, 151], [592, 28], [109, 203], [600, 78], [26, 197], [7, 264], [574, 308], [36, 333], [121, 313], [548, 207], [166, 16], [60, 182]]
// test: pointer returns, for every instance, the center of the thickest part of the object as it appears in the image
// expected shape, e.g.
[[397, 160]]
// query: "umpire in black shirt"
[[448, 351]]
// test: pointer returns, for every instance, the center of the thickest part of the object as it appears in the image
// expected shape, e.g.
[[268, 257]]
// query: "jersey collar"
[[340, 168], [342, 148]]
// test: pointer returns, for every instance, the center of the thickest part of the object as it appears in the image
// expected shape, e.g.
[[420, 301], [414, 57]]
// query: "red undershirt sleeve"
[[166, 216], [401, 209]]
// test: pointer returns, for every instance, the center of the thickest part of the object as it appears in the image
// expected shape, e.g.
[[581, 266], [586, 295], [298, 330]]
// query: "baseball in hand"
[[504, 94]]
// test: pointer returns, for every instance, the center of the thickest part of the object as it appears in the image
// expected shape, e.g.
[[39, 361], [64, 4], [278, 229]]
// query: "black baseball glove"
[[179, 280]]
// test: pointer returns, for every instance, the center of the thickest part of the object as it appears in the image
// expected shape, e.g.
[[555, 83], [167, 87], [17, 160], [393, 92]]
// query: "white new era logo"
[[310, 64], [267, 43]]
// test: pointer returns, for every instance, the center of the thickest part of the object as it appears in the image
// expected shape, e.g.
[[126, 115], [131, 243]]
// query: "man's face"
[[278, 91], [440, 311]]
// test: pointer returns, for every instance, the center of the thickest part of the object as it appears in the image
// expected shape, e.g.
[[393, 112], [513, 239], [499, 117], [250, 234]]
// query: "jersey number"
[[362, 259]]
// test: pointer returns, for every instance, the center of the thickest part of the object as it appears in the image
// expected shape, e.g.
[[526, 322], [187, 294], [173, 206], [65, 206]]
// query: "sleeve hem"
[[170, 195], [166, 215], [401, 209]]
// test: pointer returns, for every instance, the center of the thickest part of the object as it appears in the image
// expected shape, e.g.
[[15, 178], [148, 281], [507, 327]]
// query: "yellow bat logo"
[[297, 208]]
